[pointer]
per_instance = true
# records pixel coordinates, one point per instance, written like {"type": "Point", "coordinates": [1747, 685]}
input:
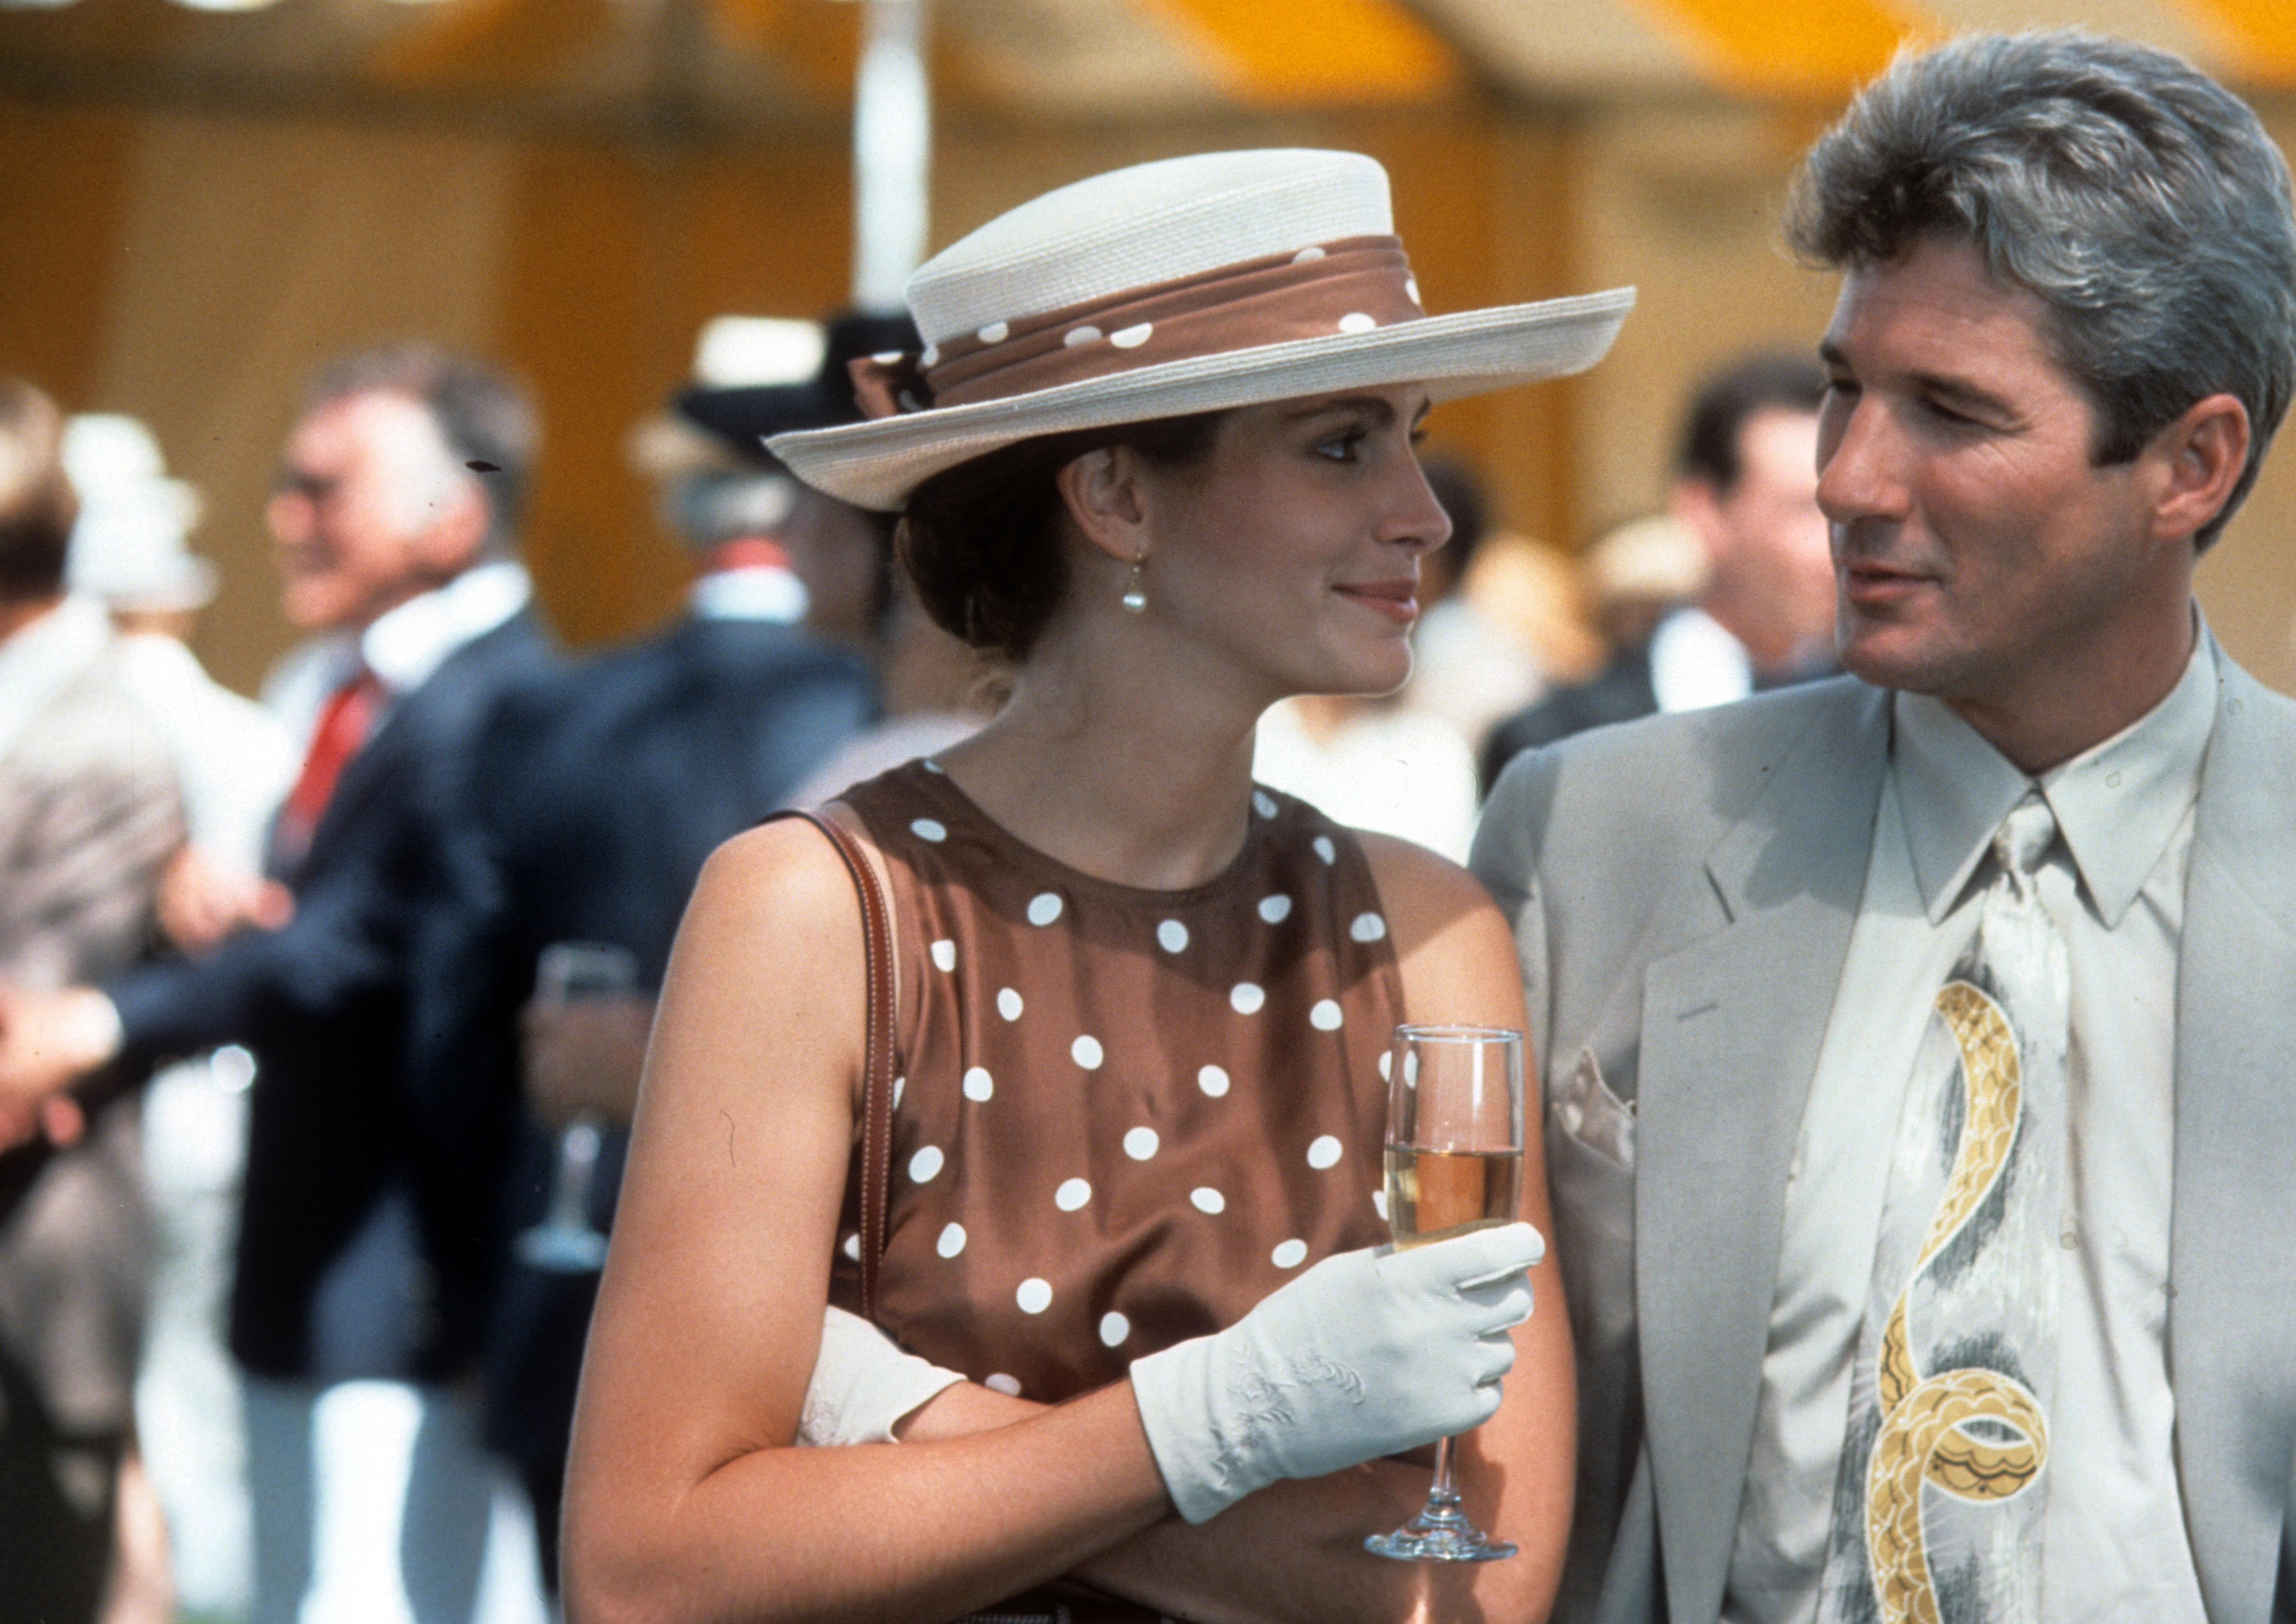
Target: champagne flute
{"type": "Point", "coordinates": [566, 1242]}
{"type": "Point", "coordinates": [1454, 1163]}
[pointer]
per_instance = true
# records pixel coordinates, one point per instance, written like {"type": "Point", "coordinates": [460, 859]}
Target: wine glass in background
{"type": "Point", "coordinates": [566, 1242]}
{"type": "Point", "coordinates": [1454, 1163]}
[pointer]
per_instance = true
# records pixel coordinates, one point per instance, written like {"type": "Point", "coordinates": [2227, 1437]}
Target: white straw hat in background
{"type": "Point", "coordinates": [1192, 284]}
{"type": "Point", "coordinates": [127, 547]}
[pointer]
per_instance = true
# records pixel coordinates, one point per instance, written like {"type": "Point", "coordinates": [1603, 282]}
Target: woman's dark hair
{"type": "Point", "coordinates": [982, 540]}
{"type": "Point", "coordinates": [38, 504]}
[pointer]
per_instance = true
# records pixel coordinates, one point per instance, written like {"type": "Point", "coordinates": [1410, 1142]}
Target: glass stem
{"type": "Point", "coordinates": [578, 1158]}
{"type": "Point", "coordinates": [1443, 1493]}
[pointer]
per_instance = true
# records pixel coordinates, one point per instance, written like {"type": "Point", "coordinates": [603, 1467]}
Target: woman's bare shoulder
{"type": "Point", "coordinates": [784, 874]}
{"type": "Point", "coordinates": [1419, 885]}
{"type": "Point", "coordinates": [773, 934]}
{"type": "Point", "coordinates": [1451, 943]}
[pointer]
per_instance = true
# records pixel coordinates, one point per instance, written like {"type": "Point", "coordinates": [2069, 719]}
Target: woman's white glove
{"type": "Point", "coordinates": [863, 1384]}
{"type": "Point", "coordinates": [1368, 1353]}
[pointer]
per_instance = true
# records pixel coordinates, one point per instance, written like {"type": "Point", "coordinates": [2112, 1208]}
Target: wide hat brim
{"type": "Point", "coordinates": [876, 464]}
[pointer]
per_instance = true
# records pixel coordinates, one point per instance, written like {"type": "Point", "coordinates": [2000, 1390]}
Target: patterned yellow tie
{"type": "Point", "coordinates": [1938, 1510]}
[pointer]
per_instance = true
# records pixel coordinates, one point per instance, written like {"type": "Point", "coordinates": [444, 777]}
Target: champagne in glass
{"type": "Point", "coordinates": [1432, 1195]}
{"type": "Point", "coordinates": [1454, 1163]}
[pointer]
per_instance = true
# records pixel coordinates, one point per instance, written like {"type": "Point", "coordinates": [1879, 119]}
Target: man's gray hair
{"type": "Point", "coordinates": [2139, 199]}
{"type": "Point", "coordinates": [485, 417]}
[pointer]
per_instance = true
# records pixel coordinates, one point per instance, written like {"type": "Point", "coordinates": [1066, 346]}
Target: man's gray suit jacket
{"type": "Point", "coordinates": [1682, 891]}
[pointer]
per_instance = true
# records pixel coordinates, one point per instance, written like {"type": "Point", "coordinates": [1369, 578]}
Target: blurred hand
{"type": "Point", "coordinates": [202, 901]}
{"type": "Point", "coordinates": [585, 1055]}
{"type": "Point", "coordinates": [48, 1041]}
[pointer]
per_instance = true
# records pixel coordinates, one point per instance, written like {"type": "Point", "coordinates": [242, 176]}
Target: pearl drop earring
{"type": "Point", "coordinates": [1136, 595]}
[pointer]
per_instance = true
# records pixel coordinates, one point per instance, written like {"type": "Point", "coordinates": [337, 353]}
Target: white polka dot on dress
{"type": "Point", "coordinates": [1212, 1080]}
{"type": "Point", "coordinates": [1114, 1329]}
{"type": "Point", "coordinates": [1367, 927]}
{"type": "Point", "coordinates": [925, 1164]}
{"type": "Point", "coordinates": [1411, 287]}
{"type": "Point", "coordinates": [1140, 1144]}
{"type": "Point", "coordinates": [1326, 1017]}
{"type": "Point", "coordinates": [978, 1084]}
{"type": "Point", "coordinates": [929, 829]}
{"type": "Point", "coordinates": [1263, 803]}
{"type": "Point", "coordinates": [1356, 321]}
{"type": "Point", "coordinates": [1245, 998]}
{"type": "Point", "coordinates": [1288, 1254]}
{"type": "Point", "coordinates": [900, 1086]}
{"type": "Point", "coordinates": [1325, 849]}
{"type": "Point", "coordinates": [1308, 256]}
{"type": "Point", "coordinates": [1276, 909]}
{"type": "Point", "coordinates": [1034, 1295]}
{"type": "Point", "coordinates": [1134, 336]}
{"type": "Point", "coordinates": [1205, 1199]}
{"type": "Point", "coordinates": [1009, 1386]}
{"type": "Point", "coordinates": [1043, 907]}
{"type": "Point", "coordinates": [1379, 1204]}
{"type": "Point", "coordinates": [1085, 1051]}
{"type": "Point", "coordinates": [1172, 935]}
{"type": "Point", "coordinates": [930, 357]}
{"type": "Point", "coordinates": [1386, 1064]}
{"type": "Point", "coordinates": [944, 955]}
{"type": "Point", "coordinates": [1008, 1003]}
{"type": "Point", "coordinates": [1076, 338]}
{"type": "Point", "coordinates": [1072, 1193]}
{"type": "Point", "coordinates": [852, 1247]}
{"type": "Point", "coordinates": [995, 332]}
{"type": "Point", "coordinates": [951, 1242]}
{"type": "Point", "coordinates": [1324, 1153]}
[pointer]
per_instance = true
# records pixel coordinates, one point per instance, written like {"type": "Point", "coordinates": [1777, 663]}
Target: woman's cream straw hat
{"type": "Point", "coordinates": [1192, 284]}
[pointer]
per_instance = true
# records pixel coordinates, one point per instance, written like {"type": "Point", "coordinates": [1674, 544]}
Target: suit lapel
{"type": "Point", "coordinates": [1732, 1025]}
{"type": "Point", "coordinates": [2232, 1269]}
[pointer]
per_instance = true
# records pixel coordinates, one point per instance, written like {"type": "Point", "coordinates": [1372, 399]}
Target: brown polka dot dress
{"type": "Point", "coordinates": [1123, 1117]}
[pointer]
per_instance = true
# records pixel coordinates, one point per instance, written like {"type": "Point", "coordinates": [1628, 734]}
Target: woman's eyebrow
{"type": "Point", "coordinates": [1376, 410]}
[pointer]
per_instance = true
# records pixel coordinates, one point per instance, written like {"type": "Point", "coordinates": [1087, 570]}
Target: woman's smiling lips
{"type": "Point", "coordinates": [1398, 600]}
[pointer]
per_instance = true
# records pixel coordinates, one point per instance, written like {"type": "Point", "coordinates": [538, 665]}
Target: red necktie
{"type": "Point", "coordinates": [342, 728]}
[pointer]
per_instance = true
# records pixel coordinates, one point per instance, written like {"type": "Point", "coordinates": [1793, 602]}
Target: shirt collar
{"type": "Point", "coordinates": [757, 591]}
{"type": "Point", "coordinates": [405, 645]}
{"type": "Point", "coordinates": [2117, 803]}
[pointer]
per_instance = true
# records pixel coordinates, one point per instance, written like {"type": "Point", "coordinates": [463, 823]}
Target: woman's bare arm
{"type": "Point", "coordinates": [684, 1501]}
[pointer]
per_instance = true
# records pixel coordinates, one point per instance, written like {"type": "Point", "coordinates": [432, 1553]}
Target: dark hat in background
{"type": "Point", "coordinates": [740, 415]}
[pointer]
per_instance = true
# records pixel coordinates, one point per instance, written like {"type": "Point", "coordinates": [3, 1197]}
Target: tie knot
{"type": "Point", "coordinates": [2025, 834]}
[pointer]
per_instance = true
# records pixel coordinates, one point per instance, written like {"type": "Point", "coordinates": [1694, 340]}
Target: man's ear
{"type": "Point", "coordinates": [2201, 456]}
{"type": "Point", "coordinates": [1103, 493]}
{"type": "Point", "coordinates": [457, 531]}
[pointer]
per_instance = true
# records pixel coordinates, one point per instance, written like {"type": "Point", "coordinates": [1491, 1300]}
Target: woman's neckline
{"type": "Point", "coordinates": [938, 783]}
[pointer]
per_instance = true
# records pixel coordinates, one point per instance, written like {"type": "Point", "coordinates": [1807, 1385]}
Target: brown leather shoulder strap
{"type": "Point", "coordinates": [863, 860]}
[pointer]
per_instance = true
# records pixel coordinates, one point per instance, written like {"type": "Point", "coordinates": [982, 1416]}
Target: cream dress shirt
{"type": "Point", "coordinates": [2115, 1547]}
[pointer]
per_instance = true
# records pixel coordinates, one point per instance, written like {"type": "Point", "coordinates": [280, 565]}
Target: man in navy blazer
{"type": "Point", "coordinates": [2066, 332]}
{"type": "Point", "coordinates": [595, 796]}
{"type": "Point", "coordinates": [396, 513]}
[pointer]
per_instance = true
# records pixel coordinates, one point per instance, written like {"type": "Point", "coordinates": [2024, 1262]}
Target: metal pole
{"type": "Point", "coordinates": [892, 151]}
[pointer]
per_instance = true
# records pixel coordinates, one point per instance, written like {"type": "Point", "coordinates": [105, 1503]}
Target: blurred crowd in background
{"type": "Point", "coordinates": [351, 986]}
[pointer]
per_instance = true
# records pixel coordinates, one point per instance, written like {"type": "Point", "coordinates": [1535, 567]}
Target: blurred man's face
{"type": "Point", "coordinates": [371, 510]}
{"type": "Point", "coordinates": [836, 551]}
{"type": "Point", "coordinates": [1771, 533]}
